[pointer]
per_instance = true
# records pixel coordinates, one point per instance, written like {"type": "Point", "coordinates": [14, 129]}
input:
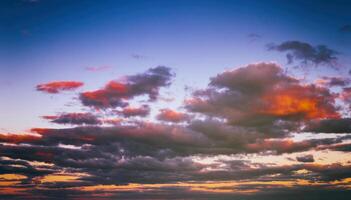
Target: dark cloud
{"type": "Point", "coordinates": [345, 96]}
{"type": "Point", "coordinates": [305, 158]}
{"type": "Point", "coordinates": [123, 156]}
{"type": "Point", "coordinates": [342, 125]}
{"type": "Point", "coordinates": [306, 53]}
{"type": "Point", "coordinates": [346, 147]}
{"type": "Point", "coordinates": [16, 166]}
{"type": "Point", "coordinates": [58, 86]}
{"type": "Point", "coordinates": [74, 119]}
{"type": "Point", "coordinates": [115, 93]}
{"type": "Point", "coordinates": [333, 81]}
{"type": "Point", "coordinates": [159, 140]}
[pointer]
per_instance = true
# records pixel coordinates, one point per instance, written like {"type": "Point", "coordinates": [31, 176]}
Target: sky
{"type": "Point", "coordinates": [225, 99]}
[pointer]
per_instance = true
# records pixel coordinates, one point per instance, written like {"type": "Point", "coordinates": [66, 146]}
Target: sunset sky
{"type": "Point", "coordinates": [182, 99]}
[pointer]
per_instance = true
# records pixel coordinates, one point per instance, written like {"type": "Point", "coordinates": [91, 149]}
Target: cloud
{"type": "Point", "coordinates": [172, 116]}
{"type": "Point", "coordinates": [160, 140]}
{"type": "Point", "coordinates": [306, 53]}
{"type": "Point", "coordinates": [149, 153]}
{"type": "Point", "coordinates": [116, 93]}
{"type": "Point", "coordinates": [280, 146]}
{"type": "Point", "coordinates": [254, 37]}
{"type": "Point", "coordinates": [74, 119]}
{"type": "Point", "coordinates": [342, 125]}
{"type": "Point", "coordinates": [262, 97]}
{"type": "Point", "coordinates": [333, 81]}
{"type": "Point", "coordinates": [345, 147]}
{"type": "Point", "coordinates": [98, 69]}
{"type": "Point", "coordinates": [345, 96]}
{"type": "Point", "coordinates": [58, 86]}
{"type": "Point", "coordinates": [243, 115]}
{"type": "Point", "coordinates": [305, 158]}
{"type": "Point", "coordinates": [22, 167]}
{"type": "Point", "coordinates": [18, 138]}
{"type": "Point", "coordinates": [138, 56]}
{"type": "Point", "coordinates": [141, 111]}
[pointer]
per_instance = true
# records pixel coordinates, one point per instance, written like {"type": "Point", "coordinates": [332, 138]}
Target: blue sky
{"type": "Point", "coordinates": [57, 40]}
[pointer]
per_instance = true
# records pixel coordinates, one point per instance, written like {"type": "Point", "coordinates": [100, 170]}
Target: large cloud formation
{"type": "Point", "coordinates": [261, 96]}
{"type": "Point", "coordinates": [244, 116]}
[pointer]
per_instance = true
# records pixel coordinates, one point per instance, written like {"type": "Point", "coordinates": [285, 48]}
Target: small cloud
{"type": "Point", "coordinates": [254, 37]}
{"type": "Point", "coordinates": [172, 116]}
{"type": "Point", "coordinates": [142, 111]}
{"type": "Point", "coordinates": [329, 81]}
{"type": "Point", "coordinates": [58, 86]}
{"type": "Point", "coordinates": [306, 53]}
{"type": "Point", "coordinates": [98, 69]}
{"type": "Point", "coordinates": [305, 158]}
{"type": "Point", "coordinates": [138, 56]}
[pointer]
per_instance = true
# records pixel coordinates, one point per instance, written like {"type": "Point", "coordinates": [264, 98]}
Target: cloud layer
{"type": "Point", "coordinates": [221, 144]}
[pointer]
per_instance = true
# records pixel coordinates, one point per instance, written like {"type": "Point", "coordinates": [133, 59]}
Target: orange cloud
{"type": "Point", "coordinates": [286, 145]}
{"type": "Point", "coordinates": [103, 97]}
{"type": "Point", "coordinates": [18, 138]}
{"type": "Point", "coordinates": [57, 86]}
{"type": "Point", "coordinates": [40, 131]}
{"type": "Point", "coordinates": [141, 111]}
{"type": "Point", "coordinates": [171, 115]}
{"type": "Point", "coordinates": [300, 101]}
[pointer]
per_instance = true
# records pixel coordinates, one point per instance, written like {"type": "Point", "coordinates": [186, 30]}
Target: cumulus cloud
{"type": "Point", "coordinates": [58, 86]}
{"type": "Point", "coordinates": [306, 53]}
{"type": "Point", "coordinates": [262, 97]}
{"type": "Point", "coordinates": [115, 93]}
